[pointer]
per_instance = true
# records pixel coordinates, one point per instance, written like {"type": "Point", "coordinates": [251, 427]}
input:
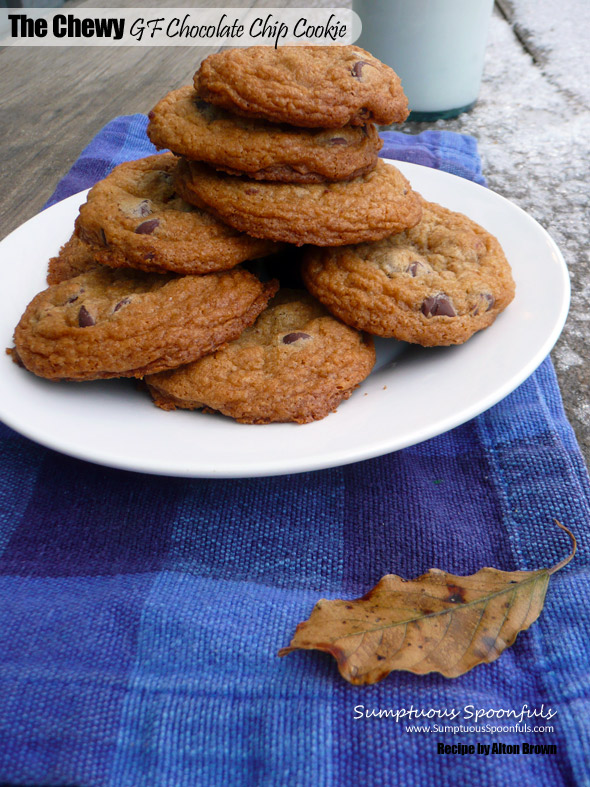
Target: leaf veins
{"type": "Point", "coordinates": [438, 622]}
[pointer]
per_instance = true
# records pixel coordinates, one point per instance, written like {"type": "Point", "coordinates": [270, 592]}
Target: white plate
{"type": "Point", "coordinates": [413, 393]}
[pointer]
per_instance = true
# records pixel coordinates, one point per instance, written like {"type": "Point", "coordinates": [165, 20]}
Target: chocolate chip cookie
{"type": "Point", "coordinates": [329, 214]}
{"type": "Point", "coordinates": [434, 284]}
{"type": "Point", "coordinates": [296, 363]}
{"type": "Point", "coordinates": [74, 258]}
{"type": "Point", "coordinates": [192, 128]}
{"type": "Point", "coordinates": [134, 218]}
{"type": "Point", "coordinates": [118, 323]}
{"type": "Point", "coordinates": [312, 86]}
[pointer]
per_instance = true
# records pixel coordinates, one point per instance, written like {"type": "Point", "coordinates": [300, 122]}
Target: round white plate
{"type": "Point", "coordinates": [413, 393]}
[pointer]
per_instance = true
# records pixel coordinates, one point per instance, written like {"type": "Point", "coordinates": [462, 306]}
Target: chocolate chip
{"type": "Point", "coordinates": [290, 338]}
{"type": "Point", "coordinates": [151, 115]}
{"type": "Point", "coordinates": [338, 141]}
{"type": "Point", "coordinates": [144, 208]}
{"type": "Point", "coordinates": [416, 268]}
{"type": "Point", "coordinates": [251, 191]}
{"type": "Point", "coordinates": [147, 227]}
{"type": "Point", "coordinates": [74, 298]}
{"type": "Point", "coordinates": [121, 303]}
{"type": "Point", "coordinates": [484, 303]}
{"type": "Point", "coordinates": [438, 306]}
{"type": "Point", "coordinates": [357, 69]}
{"type": "Point", "coordinates": [85, 319]}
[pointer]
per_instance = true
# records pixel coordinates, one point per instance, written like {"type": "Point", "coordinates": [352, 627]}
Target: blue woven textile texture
{"type": "Point", "coordinates": [140, 617]}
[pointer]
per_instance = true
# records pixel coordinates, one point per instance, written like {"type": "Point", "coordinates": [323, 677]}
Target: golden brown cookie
{"type": "Point", "coordinates": [296, 363]}
{"type": "Point", "coordinates": [192, 128]}
{"type": "Point", "coordinates": [311, 86]}
{"type": "Point", "coordinates": [133, 218]}
{"type": "Point", "coordinates": [75, 257]}
{"type": "Point", "coordinates": [328, 214]}
{"type": "Point", "coordinates": [434, 284]}
{"type": "Point", "coordinates": [119, 323]}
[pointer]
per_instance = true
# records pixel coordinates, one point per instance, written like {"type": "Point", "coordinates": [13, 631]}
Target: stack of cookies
{"type": "Point", "coordinates": [283, 144]}
{"type": "Point", "coordinates": [268, 151]}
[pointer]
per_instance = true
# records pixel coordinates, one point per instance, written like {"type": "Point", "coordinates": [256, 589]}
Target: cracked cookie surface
{"type": "Point", "coordinates": [435, 284]}
{"type": "Point", "coordinates": [312, 86]}
{"type": "Point", "coordinates": [118, 323]}
{"type": "Point", "coordinates": [262, 150]}
{"type": "Point", "coordinates": [296, 363]}
{"type": "Point", "coordinates": [325, 214]}
{"type": "Point", "coordinates": [73, 258]}
{"type": "Point", "coordinates": [134, 218]}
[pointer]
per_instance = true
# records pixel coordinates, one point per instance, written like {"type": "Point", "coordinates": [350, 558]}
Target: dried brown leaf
{"type": "Point", "coordinates": [438, 622]}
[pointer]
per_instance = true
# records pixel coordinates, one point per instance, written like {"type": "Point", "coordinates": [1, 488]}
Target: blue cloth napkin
{"type": "Point", "coordinates": [140, 617]}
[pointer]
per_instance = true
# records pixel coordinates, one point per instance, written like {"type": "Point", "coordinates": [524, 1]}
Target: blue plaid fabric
{"type": "Point", "coordinates": [140, 616]}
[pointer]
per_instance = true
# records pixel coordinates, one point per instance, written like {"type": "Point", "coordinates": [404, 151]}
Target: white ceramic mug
{"type": "Point", "coordinates": [437, 48]}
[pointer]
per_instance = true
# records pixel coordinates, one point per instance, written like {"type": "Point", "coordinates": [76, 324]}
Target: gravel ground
{"type": "Point", "coordinates": [532, 123]}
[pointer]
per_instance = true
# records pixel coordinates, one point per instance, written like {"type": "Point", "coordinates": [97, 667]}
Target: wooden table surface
{"type": "Point", "coordinates": [54, 100]}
